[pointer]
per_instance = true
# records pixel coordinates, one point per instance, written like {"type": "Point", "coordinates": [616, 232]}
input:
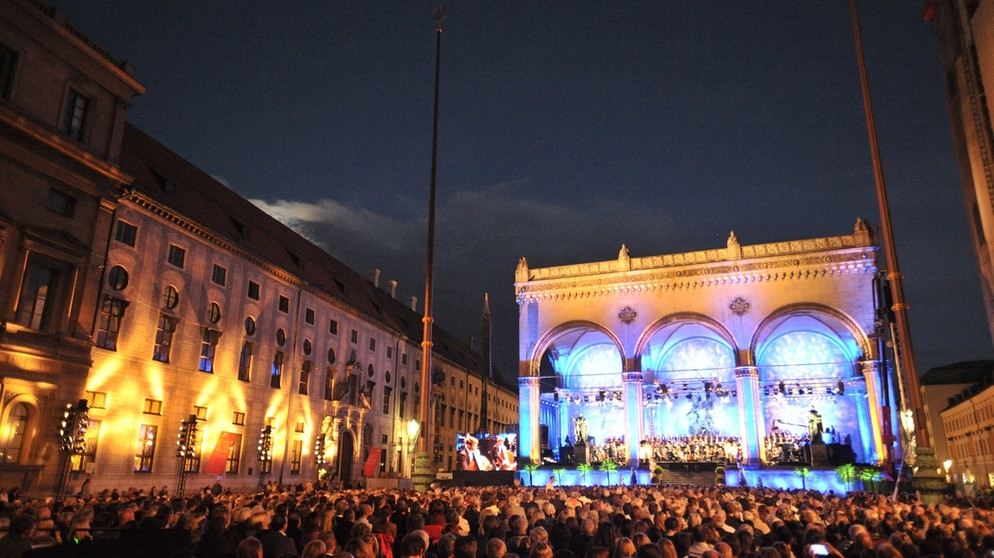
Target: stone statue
{"type": "Point", "coordinates": [815, 427]}
{"type": "Point", "coordinates": [580, 429]}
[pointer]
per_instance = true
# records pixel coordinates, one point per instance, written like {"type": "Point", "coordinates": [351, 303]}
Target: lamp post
{"type": "Point", "coordinates": [319, 457]}
{"type": "Point", "coordinates": [413, 429]}
{"type": "Point", "coordinates": [72, 441]}
{"type": "Point", "coordinates": [424, 408]}
{"type": "Point", "coordinates": [186, 450]}
{"type": "Point", "coordinates": [265, 454]}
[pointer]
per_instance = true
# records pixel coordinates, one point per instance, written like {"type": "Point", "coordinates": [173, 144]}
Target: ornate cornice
{"type": "Point", "coordinates": [777, 262]}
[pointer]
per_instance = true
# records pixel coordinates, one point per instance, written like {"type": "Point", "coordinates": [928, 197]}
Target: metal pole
{"type": "Point", "coordinates": [424, 444]}
{"type": "Point", "coordinates": [904, 351]}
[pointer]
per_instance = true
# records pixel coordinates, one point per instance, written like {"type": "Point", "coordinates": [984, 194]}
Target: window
{"type": "Point", "coordinates": [15, 427]}
{"type": "Point", "coordinates": [280, 337]}
{"type": "Point", "coordinates": [284, 304]}
{"type": "Point", "coordinates": [333, 327]}
{"type": "Point", "coordinates": [250, 326]}
{"type": "Point", "coordinates": [253, 290]}
{"type": "Point", "coordinates": [403, 404]}
{"type": "Point", "coordinates": [309, 316]}
{"type": "Point", "coordinates": [354, 336]}
{"type": "Point", "coordinates": [96, 400]}
{"type": "Point", "coordinates": [372, 344]}
{"type": "Point", "coordinates": [389, 352]}
{"type": "Point", "coordinates": [245, 362]}
{"type": "Point", "coordinates": [403, 359]}
{"type": "Point", "coordinates": [78, 461]}
{"type": "Point", "coordinates": [177, 255]}
{"type": "Point", "coordinates": [170, 297]}
{"type": "Point", "coordinates": [117, 278]}
{"type": "Point", "coordinates": [109, 324]}
{"type": "Point", "coordinates": [331, 356]}
{"type": "Point", "coordinates": [386, 400]}
{"type": "Point", "coordinates": [329, 384]}
{"type": "Point", "coordinates": [214, 313]}
{"type": "Point", "coordinates": [234, 453]}
{"type": "Point", "coordinates": [277, 372]}
{"type": "Point", "coordinates": [296, 452]}
{"type": "Point", "coordinates": [200, 412]}
{"type": "Point", "coordinates": [164, 337]}
{"type": "Point", "coordinates": [40, 293]}
{"type": "Point", "coordinates": [208, 346]}
{"type": "Point", "coordinates": [75, 115]}
{"type": "Point", "coordinates": [8, 63]}
{"type": "Point", "coordinates": [238, 418]}
{"type": "Point", "coordinates": [305, 377]}
{"type": "Point", "coordinates": [152, 407]}
{"type": "Point", "coordinates": [145, 450]}
{"type": "Point", "coordinates": [308, 347]}
{"type": "Point", "coordinates": [60, 203]}
{"type": "Point", "coordinates": [219, 274]}
{"type": "Point", "coordinates": [126, 233]}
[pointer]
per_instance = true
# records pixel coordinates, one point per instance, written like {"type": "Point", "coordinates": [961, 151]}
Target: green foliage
{"type": "Point", "coordinates": [531, 468]}
{"type": "Point", "coordinates": [607, 466]}
{"type": "Point", "coordinates": [804, 473]}
{"type": "Point", "coordinates": [846, 473]}
{"type": "Point", "coordinates": [559, 472]}
{"type": "Point", "coordinates": [658, 470]}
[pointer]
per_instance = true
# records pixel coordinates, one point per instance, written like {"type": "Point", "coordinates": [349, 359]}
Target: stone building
{"type": "Point", "coordinates": [732, 344]}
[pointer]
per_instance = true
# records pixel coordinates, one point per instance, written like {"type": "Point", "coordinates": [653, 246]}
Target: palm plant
{"type": "Point", "coordinates": [868, 475]}
{"type": "Point", "coordinates": [531, 468]}
{"type": "Point", "coordinates": [584, 469]}
{"type": "Point", "coordinates": [846, 473]}
{"type": "Point", "coordinates": [607, 466]}
{"type": "Point", "coordinates": [558, 473]}
{"type": "Point", "coordinates": [804, 473]}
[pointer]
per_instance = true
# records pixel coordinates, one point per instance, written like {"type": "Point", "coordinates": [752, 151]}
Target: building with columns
{"type": "Point", "coordinates": [733, 343]}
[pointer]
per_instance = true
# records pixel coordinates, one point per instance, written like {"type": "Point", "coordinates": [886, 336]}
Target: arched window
{"type": "Point", "coordinates": [17, 423]}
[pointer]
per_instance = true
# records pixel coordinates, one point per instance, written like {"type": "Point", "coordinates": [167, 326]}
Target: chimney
{"type": "Point", "coordinates": [374, 277]}
{"type": "Point", "coordinates": [392, 287]}
{"type": "Point", "coordinates": [413, 303]}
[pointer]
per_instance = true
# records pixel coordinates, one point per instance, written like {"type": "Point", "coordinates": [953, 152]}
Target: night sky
{"type": "Point", "coordinates": [566, 129]}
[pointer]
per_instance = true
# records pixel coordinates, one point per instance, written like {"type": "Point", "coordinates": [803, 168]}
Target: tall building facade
{"type": "Point", "coordinates": [62, 114]}
{"type": "Point", "coordinates": [134, 282]}
{"type": "Point", "coordinates": [966, 39]}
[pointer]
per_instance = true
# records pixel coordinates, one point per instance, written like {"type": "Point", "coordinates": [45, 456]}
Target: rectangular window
{"type": "Point", "coordinates": [96, 399]}
{"type": "Point", "coordinates": [238, 418]}
{"type": "Point", "coordinates": [200, 412]}
{"type": "Point", "coordinates": [8, 63]}
{"type": "Point", "coordinates": [208, 346]}
{"type": "Point", "coordinates": [389, 352]}
{"type": "Point", "coordinates": [234, 455]}
{"type": "Point", "coordinates": [298, 427]}
{"type": "Point", "coordinates": [309, 316]}
{"type": "Point", "coordinates": [372, 344]}
{"type": "Point", "coordinates": [403, 404]}
{"type": "Point", "coordinates": [126, 233]}
{"type": "Point", "coordinates": [333, 327]}
{"type": "Point", "coordinates": [60, 203]}
{"type": "Point", "coordinates": [296, 452]}
{"type": "Point", "coordinates": [164, 337]}
{"type": "Point", "coordinates": [354, 336]}
{"type": "Point", "coordinates": [284, 304]}
{"type": "Point", "coordinates": [329, 384]}
{"type": "Point", "coordinates": [89, 455]}
{"type": "Point", "coordinates": [75, 116]}
{"type": "Point", "coordinates": [109, 322]}
{"type": "Point", "coordinates": [403, 359]}
{"type": "Point", "coordinates": [253, 290]}
{"type": "Point", "coordinates": [386, 400]}
{"type": "Point", "coordinates": [305, 377]}
{"type": "Point", "coordinates": [277, 372]}
{"type": "Point", "coordinates": [245, 362]}
{"type": "Point", "coordinates": [152, 407]}
{"type": "Point", "coordinates": [177, 256]}
{"type": "Point", "coordinates": [37, 301]}
{"type": "Point", "coordinates": [219, 275]}
{"type": "Point", "coordinates": [145, 450]}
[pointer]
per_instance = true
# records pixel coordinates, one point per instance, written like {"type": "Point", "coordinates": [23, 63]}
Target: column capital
{"type": "Point", "coordinates": [746, 371]}
{"type": "Point", "coordinates": [869, 367]}
{"type": "Point", "coordinates": [632, 377]}
{"type": "Point", "coordinates": [529, 381]}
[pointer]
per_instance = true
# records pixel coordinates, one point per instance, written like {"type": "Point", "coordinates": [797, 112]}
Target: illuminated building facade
{"type": "Point", "coordinates": [730, 343]}
{"type": "Point", "coordinates": [62, 113]}
{"type": "Point", "coordinates": [968, 426]}
{"type": "Point", "coordinates": [135, 282]}
{"type": "Point", "coordinates": [967, 47]}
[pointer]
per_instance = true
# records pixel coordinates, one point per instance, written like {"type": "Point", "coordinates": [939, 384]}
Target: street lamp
{"type": "Point", "coordinates": [319, 457]}
{"type": "Point", "coordinates": [186, 450]}
{"type": "Point", "coordinates": [265, 453]}
{"type": "Point", "coordinates": [413, 429]}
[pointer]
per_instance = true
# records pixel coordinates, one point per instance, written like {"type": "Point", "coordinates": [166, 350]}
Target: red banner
{"type": "Point", "coordinates": [372, 466]}
{"type": "Point", "coordinates": [219, 457]}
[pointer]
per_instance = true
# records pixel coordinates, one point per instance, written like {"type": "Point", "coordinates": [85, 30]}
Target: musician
{"type": "Point", "coordinates": [470, 458]}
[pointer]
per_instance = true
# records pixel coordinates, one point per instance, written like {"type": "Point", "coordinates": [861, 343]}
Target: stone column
{"type": "Point", "coordinates": [869, 407]}
{"type": "Point", "coordinates": [752, 425]}
{"type": "Point", "coordinates": [529, 448]}
{"type": "Point", "coordinates": [631, 385]}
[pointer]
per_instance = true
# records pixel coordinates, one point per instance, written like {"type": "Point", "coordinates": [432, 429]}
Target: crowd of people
{"type": "Point", "coordinates": [658, 521]}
